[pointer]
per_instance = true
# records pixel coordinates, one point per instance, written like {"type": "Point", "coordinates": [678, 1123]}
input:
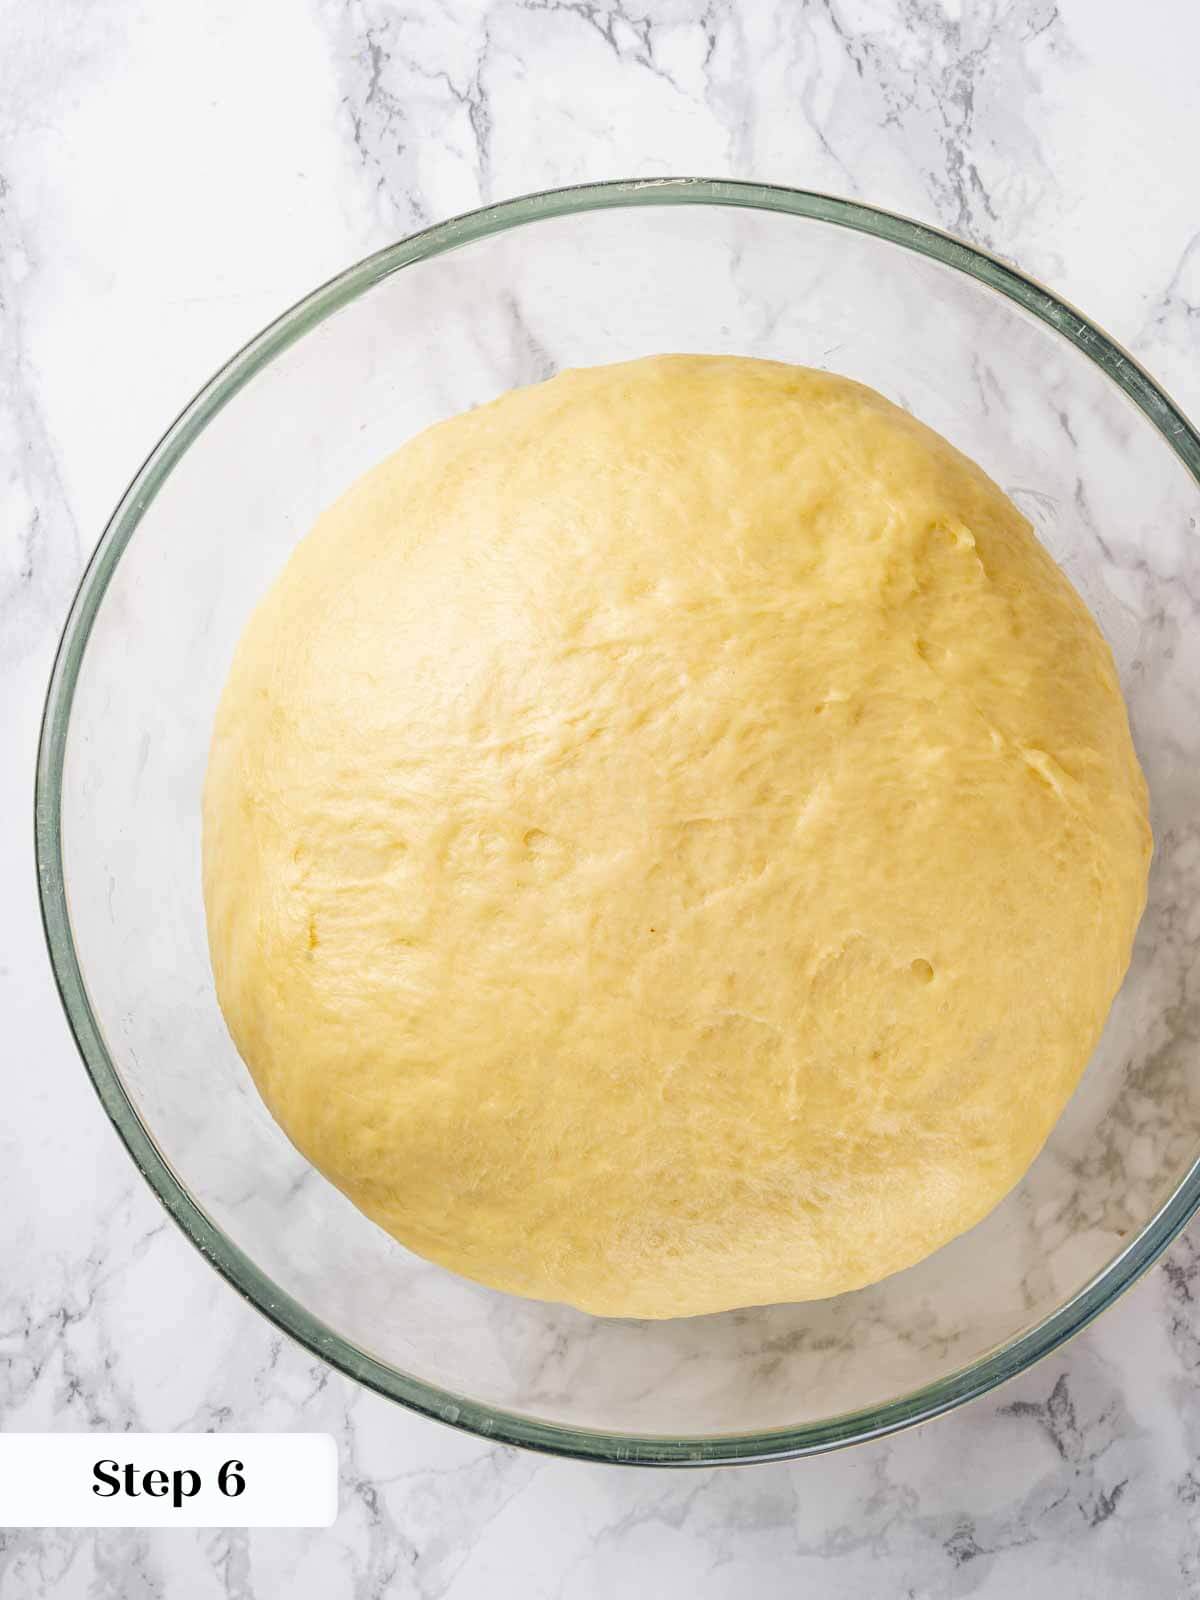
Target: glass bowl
{"type": "Point", "coordinates": [1089, 447]}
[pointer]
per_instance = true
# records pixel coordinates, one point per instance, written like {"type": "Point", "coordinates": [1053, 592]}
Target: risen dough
{"type": "Point", "coordinates": [672, 838]}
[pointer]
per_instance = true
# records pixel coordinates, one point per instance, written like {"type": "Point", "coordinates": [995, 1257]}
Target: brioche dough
{"type": "Point", "coordinates": [671, 840]}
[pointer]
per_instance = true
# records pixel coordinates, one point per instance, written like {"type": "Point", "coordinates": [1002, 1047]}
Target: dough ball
{"type": "Point", "coordinates": [671, 840]}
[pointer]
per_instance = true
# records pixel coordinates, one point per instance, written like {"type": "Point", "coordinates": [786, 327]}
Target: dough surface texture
{"type": "Point", "coordinates": [672, 838]}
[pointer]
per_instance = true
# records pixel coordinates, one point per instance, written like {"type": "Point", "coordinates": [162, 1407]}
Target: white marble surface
{"type": "Point", "coordinates": [170, 177]}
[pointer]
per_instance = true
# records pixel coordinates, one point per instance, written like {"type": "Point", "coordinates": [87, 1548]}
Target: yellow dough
{"type": "Point", "coordinates": [671, 840]}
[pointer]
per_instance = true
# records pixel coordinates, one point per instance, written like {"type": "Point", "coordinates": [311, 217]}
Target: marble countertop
{"type": "Point", "coordinates": [172, 176]}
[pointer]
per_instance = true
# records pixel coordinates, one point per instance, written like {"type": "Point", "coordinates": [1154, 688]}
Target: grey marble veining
{"type": "Point", "coordinates": [170, 177]}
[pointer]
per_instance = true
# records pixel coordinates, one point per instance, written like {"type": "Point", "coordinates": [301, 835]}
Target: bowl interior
{"type": "Point", "coordinates": [1109, 497]}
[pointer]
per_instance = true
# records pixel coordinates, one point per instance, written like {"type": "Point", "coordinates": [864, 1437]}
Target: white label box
{"type": "Point", "coordinates": [168, 1480]}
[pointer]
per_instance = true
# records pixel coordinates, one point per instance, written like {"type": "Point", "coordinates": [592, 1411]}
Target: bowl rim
{"type": "Point", "coordinates": [287, 1314]}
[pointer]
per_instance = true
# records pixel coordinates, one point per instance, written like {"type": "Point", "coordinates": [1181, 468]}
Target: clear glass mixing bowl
{"type": "Point", "coordinates": [1078, 435]}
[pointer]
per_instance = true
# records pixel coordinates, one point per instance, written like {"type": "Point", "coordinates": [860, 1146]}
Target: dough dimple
{"type": "Point", "coordinates": [671, 840]}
